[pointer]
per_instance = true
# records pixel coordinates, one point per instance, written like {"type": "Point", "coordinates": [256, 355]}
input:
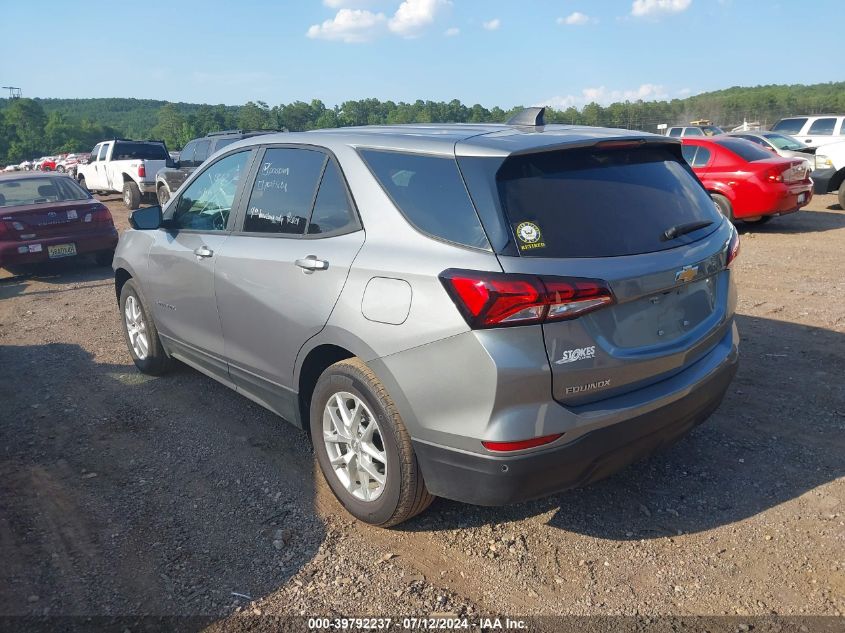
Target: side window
{"type": "Point", "coordinates": [332, 210]}
{"type": "Point", "coordinates": [104, 149]}
{"type": "Point", "coordinates": [842, 126]}
{"type": "Point", "coordinates": [201, 153]}
{"type": "Point", "coordinates": [206, 203]}
{"type": "Point", "coordinates": [94, 153]}
{"type": "Point", "coordinates": [689, 153]}
{"type": "Point", "coordinates": [283, 192]}
{"type": "Point", "coordinates": [675, 131]}
{"type": "Point", "coordinates": [823, 126]}
{"type": "Point", "coordinates": [789, 126]}
{"type": "Point", "coordinates": [186, 158]}
{"type": "Point", "coordinates": [702, 157]}
{"type": "Point", "coordinates": [430, 193]}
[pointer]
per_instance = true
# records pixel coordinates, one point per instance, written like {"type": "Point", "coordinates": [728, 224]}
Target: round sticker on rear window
{"type": "Point", "coordinates": [529, 235]}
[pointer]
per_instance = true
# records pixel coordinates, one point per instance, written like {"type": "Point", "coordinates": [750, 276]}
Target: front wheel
{"type": "Point", "coordinates": [163, 194]}
{"type": "Point", "coordinates": [141, 333]}
{"type": "Point", "coordinates": [842, 195]}
{"type": "Point", "coordinates": [131, 195]}
{"type": "Point", "coordinates": [363, 447]}
{"type": "Point", "coordinates": [724, 205]}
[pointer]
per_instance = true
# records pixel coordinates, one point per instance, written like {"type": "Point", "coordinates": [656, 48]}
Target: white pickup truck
{"type": "Point", "coordinates": [127, 167]}
{"type": "Point", "coordinates": [829, 175]}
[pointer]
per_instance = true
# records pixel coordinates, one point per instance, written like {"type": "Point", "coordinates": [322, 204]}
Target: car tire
{"type": "Point", "coordinates": [104, 258]}
{"type": "Point", "coordinates": [151, 358]}
{"type": "Point", "coordinates": [163, 195]}
{"type": "Point", "coordinates": [60, 169]}
{"type": "Point", "coordinates": [402, 493]}
{"type": "Point", "coordinates": [131, 195]}
{"type": "Point", "coordinates": [81, 181]}
{"type": "Point", "coordinates": [842, 195]}
{"type": "Point", "coordinates": [724, 205]}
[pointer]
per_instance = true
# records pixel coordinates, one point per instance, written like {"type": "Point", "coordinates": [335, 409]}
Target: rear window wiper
{"type": "Point", "coordinates": [682, 229]}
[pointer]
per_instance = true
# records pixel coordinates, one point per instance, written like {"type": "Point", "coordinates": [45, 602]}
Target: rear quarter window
{"type": "Point", "coordinates": [430, 193]}
{"type": "Point", "coordinates": [601, 203]}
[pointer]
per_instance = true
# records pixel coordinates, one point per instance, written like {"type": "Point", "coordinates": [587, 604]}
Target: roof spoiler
{"type": "Point", "coordinates": [531, 117]}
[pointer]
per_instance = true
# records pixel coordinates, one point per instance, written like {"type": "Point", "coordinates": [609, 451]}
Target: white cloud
{"type": "Point", "coordinates": [603, 96]}
{"type": "Point", "coordinates": [642, 8]}
{"type": "Point", "coordinates": [492, 25]}
{"type": "Point", "coordinates": [576, 19]}
{"type": "Point", "coordinates": [413, 16]}
{"type": "Point", "coordinates": [350, 26]}
{"type": "Point", "coordinates": [452, 31]}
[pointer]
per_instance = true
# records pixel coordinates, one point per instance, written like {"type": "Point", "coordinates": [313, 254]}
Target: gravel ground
{"type": "Point", "coordinates": [125, 494]}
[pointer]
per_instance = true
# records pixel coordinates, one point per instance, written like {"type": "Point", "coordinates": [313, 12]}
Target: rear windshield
{"type": "Point", "coordinates": [597, 202]}
{"type": "Point", "coordinates": [132, 150]}
{"type": "Point", "coordinates": [746, 150]}
{"type": "Point", "coordinates": [789, 126]}
{"type": "Point", "coordinates": [15, 193]}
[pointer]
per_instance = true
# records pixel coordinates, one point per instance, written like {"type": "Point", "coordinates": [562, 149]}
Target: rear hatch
{"type": "Point", "coordinates": [602, 213]}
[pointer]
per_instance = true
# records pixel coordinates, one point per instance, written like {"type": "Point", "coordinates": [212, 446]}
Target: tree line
{"type": "Point", "coordinates": [36, 127]}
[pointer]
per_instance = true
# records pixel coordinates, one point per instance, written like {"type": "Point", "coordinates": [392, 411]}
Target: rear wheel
{"type": "Point", "coordinates": [842, 195]}
{"type": "Point", "coordinates": [363, 447]}
{"type": "Point", "coordinates": [60, 169]}
{"type": "Point", "coordinates": [141, 333]}
{"type": "Point", "coordinates": [724, 205]}
{"type": "Point", "coordinates": [163, 194]}
{"type": "Point", "coordinates": [131, 195]}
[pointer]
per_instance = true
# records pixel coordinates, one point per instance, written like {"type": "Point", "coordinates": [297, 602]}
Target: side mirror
{"type": "Point", "coordinates": [146, 219]}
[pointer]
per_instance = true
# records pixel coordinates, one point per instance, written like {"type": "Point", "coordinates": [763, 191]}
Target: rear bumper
{"type": "Point", "coordinates": [38, 251]}
{"type": "Point", "coordinates": [777, 199]}
{"type": "Point", "coordinates": [821, 180]}
{"type": "Point", "coordinates": [498, 480]}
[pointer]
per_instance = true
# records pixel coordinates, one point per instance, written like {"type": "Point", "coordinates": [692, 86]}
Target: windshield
{"type": "Point", "coordinates": [782, 141]}
{"type": "Point", "coordinates": [593, 202]}
{"type": "Point", "coordinates": [135, 150]}
{"type": "Point", "coordinates": [15, 193]}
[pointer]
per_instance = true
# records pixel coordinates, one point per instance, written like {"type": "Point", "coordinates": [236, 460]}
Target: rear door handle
{"type": "Point", "coordinates": [203, 251]}
{"type": "Point", "coordinates": [311, 263]}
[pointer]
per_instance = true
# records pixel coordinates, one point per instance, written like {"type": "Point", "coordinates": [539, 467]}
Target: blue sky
{"type": "Point", "coordinates": [554, 52]}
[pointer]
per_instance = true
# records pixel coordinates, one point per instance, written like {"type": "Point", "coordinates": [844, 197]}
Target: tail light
{"type": "Point", "coordinates": [501, 447]}
{"type": "Point", "coordinates": [99, 215]}
{"type": "Point", "coordinates": [733, 248]}
{"type": "Point", "coordinates": [488, 299]}
{"type": "Point", "coordinates": [775, 172]}
{"type": "Point", "coordinates": [142, 171]}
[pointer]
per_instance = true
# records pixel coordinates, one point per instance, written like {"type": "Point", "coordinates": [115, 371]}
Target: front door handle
{"type": "Point", "coordinates": [311, 263]}
{"type": "Point", "coordinates": [203, 251]}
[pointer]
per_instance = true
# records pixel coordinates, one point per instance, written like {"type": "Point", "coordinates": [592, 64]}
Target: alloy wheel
{"type": "Point", "coordinates": [136, 328]}
{"type": "Point", "coordinates": [354, 446]}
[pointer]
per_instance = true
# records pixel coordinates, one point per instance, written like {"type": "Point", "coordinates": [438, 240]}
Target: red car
{"type": "Point", "coordinates": [49, 216]}
{"type": "Point", "coordinates": [745, 181]}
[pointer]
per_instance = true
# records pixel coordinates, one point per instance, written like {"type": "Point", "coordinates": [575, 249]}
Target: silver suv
{"type": "Point", "coordinates": [488, 313]}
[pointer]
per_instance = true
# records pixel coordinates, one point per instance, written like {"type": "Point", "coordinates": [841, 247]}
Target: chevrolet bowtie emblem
{"type": "Point", "coordinates": [686, 274]}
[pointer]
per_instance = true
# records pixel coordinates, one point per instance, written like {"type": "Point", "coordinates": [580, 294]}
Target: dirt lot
{"type": "Point", "coordinates": [124, 494]}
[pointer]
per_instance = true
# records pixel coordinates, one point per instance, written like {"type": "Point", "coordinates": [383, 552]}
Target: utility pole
{"type": "Point", "coordinates": [14, 92]}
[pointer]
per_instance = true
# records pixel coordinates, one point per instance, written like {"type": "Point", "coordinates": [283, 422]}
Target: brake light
{"type": "Point", "coordinates": [488, 299]}
{"type": "Point", "coordinates": [142, 171]}
{"type": "Point", "coordinates": [775, 172]}
{"type": "Point", "coordinates": [520, 444]}
{"type": "Point", "coordinates": [733, 248]}
{"type": "Point", "coordinates": [99, 215]}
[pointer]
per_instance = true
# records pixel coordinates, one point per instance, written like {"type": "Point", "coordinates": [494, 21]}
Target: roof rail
{"type": "Point", "coordinates": [530, 117]}
{"type": "Point", "coordinates": [223, 132]}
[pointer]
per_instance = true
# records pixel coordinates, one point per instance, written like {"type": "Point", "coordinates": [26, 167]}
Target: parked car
{"type": "Point", "coordinates": [26, 165]}
{"type": "Point", "coordinates": [124, 166]}
{"type": "Point", "coordinates": [813, 130]}
{"type": "Point", "coordinates": [69, 163]}
{"type": "Point", "coordinates": [11, 168]}
{"type": "Point", "coordinates": [49, 216]}
{"type": "Point", "coordinates": [829, 175]}
{"type": "Point", "coordinates": [482, 343]}
{"type": "Point", "coordinates": [747, 182]}
{"type": "Point", "coordinates": [45, 163]}
{"type": "Point", "coordinates": [780, 144]}
{"type": "Point", "coordinates": [169, 179]}
{"type": "Point", "coordinates": [694, 130]}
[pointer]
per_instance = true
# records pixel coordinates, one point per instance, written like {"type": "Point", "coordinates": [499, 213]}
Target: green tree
{"type": "Point", "coordinates": [172, 127]}
{"type": "Point", "coordinates": [255, 116]}
{"type": "Point", "coordinates": [26, 119]}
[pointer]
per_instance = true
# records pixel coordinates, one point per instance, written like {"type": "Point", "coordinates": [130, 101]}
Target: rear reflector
{"type": "Point", "coordinates": [488, 299]}
{"type": "Point", "coordinates": [502, 447]}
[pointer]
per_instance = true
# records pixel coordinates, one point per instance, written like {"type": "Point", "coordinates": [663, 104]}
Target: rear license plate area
{"type": "Point", "coordinates": [61, 250]}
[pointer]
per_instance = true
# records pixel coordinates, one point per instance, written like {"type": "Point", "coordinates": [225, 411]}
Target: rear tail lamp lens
{"type": "Point", "coordinates": [142, 171]}
{"type": "Point", "coordinates": [99, 215]}
{"type": "Point", "coordinates": [488, 299]}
